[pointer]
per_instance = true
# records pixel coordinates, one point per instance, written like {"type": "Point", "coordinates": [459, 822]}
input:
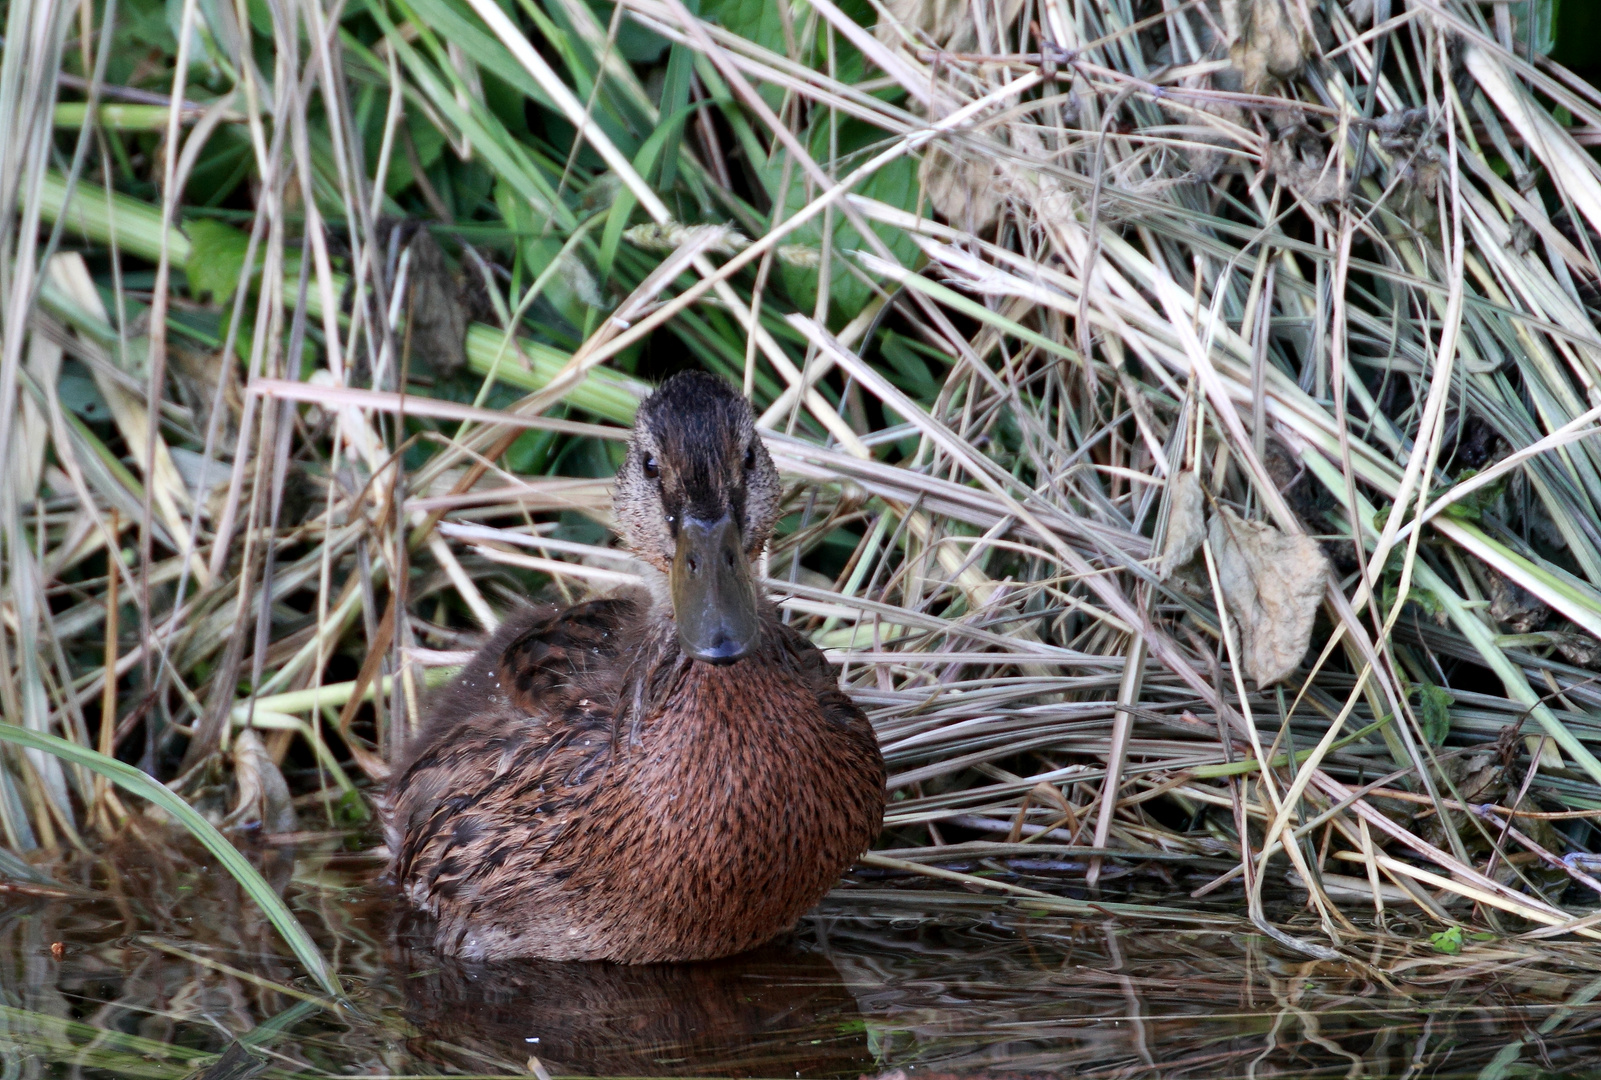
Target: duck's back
{"type": "Point", "coordinates": [583, 793]}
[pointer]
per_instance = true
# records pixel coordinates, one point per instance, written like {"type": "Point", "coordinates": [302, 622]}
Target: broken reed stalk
{"type": "Point", "coordinates": [1165, 392]}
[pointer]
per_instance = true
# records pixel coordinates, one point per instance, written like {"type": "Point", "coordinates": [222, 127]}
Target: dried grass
{"type": "Point", "coordinates": [1195, 264]}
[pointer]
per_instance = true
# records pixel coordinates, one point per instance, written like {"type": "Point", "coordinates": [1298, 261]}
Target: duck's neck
{"type": "Point", "coordinates": [691, 709]}
{"type": "Point", "coordinates": [661, 679]}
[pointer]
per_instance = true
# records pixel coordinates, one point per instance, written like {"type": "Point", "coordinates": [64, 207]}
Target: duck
{"type": "Point", "coordinates": [665, 774]}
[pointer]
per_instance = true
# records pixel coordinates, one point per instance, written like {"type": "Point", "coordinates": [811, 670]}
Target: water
{"type": "Point", "coordinates": [158, 968]}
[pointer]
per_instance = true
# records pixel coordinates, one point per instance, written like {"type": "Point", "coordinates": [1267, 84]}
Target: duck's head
{"type": "Point", "coordinates": [696, 498]}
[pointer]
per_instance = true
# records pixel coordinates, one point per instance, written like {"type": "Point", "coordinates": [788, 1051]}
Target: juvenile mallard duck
{"type": "Point", "coordinates": [666, 774]}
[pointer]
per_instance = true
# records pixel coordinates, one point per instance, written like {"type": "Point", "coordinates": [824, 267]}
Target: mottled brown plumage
{"type": "Point", "coordinates": [639, 778]}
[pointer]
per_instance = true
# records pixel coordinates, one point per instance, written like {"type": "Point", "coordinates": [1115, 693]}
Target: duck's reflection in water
{"type": "Point", "coordinates": [779, 1011]}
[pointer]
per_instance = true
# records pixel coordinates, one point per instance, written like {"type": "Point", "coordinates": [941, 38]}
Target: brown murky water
{"type": "Point", "coordinates": [157, 969]}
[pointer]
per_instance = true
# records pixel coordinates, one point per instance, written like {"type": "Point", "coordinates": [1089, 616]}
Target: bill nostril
{"type": "Point", "coordinates": [728, 559]}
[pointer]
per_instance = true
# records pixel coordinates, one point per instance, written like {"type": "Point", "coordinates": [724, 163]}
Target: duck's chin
{"type": "Point", "coordinates": [723, 657]}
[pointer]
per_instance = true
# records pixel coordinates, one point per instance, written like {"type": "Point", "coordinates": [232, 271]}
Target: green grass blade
{"type": "Point", "coordinates": [132, 780]}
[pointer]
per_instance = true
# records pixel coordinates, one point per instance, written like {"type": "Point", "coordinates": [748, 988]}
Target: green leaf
{"type": "Point", "coordinates": [1535, 22]}
{"type": "Point", "coordinates": [1426, 600]}
{"type": "Point", "coordinates": [675, 97]}
{"type": "Point", "coordinates": [529, 454]}
{"type": "Point", "coordinates": [1473, 505]}
{"type": "Point", "coordinates": [199, 55]}
{"type": "Point", "coordinates": [426, 139]}
{"type": "Point", "coordinates": [144, 23]}
{"type": "Point", "coordinates": [1434, 711]}
{"type": "Point", "coordinates": [623, 207]}
{"type": "Point", "coordinates": [754, 20]}
{"type": "Point", "coordinates": [911, 370]}
{"type": "Point", "coordinates": [255, 886]}
{"type": "Point", "coordinates": [455, 23]}
{"type": "Point", "coordinates": [895, 184]}
{"type": "Point", "coordinates": [216, 258]}
{"type": "Point", "coordinates": [80, 394]}
{"type": "Point", "coordinates": [1447, 941]}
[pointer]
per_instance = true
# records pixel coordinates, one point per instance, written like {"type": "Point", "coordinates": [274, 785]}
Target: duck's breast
{"type": "Point", "coordinates": [753, 796]}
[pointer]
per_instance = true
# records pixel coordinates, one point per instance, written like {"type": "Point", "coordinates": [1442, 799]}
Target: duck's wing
{"type": "Point", "coordinates": [533, 663]}
{"type": "Point", "coordinates": [807, 660]}
{"type": "Point", "coordinates": [508, 747]}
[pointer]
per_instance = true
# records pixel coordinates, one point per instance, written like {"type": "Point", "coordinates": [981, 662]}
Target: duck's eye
{"type": "Point", "coordinates": [652, 470]}
{"type": "Point", "coordinates": [750, 457]}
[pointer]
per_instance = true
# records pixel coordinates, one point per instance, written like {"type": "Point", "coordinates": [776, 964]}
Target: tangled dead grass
{"type": "Point", "coordinates": [1193, 460]}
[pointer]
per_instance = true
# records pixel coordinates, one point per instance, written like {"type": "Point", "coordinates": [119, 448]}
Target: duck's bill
{"type": "Point", "coordinates": [714, 594]}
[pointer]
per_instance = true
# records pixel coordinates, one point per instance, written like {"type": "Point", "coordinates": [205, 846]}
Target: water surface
{"type": "Point", "coordinates": [145, 963]}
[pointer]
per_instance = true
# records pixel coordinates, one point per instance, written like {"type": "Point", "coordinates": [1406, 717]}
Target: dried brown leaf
{"type": "Point", "coordinates": [1186, 521]}
{"type": "Point", "coordinates": [434, 304]}
{"type": "Point", "coordinates": [1579, 648]}
{"type": "Point", "coordinates": [1300, 163]}
{"type": "Point", "coordinates": [964, 189]}
{"type": "Point", "coordinates": [1515, 607]}
{"type": "Point", "coordinates": [949, 24]}
{"type": "Point", "coordinates": [262, 796]}
{"type": "Point", "coordinates": [1273, 583]}
{"type": "Point", "coordinates": [1271, 42]}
